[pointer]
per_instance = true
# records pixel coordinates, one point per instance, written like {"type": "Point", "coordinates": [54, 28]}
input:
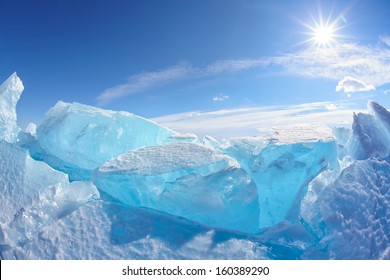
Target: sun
{"type": "Point", "coordinates": [324, 35]}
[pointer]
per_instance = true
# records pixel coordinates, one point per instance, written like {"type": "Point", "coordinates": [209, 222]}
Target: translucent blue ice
{"type": "Point", "coordinates": [77, 138]}
{"type": "Point", "coordinates": [184, 179]}
{"type": "Point", "coordinates": [342, 134]}
{"type": "Point", "coordinates": [283, 164]}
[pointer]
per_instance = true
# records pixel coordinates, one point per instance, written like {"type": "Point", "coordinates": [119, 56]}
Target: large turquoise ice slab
{"type": "Point", "coordinates": [184, 179]}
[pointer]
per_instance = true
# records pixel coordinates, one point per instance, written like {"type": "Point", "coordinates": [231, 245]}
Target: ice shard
{"type": "Point", "coordinates": [371, 133]}
{"type": "Point", "coordinates": [10, 92]}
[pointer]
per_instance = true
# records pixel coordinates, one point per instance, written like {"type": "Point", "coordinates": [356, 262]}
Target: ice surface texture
{"type": "Point", "coordinates": [10, 92]}
{"type": "Point", "coordinates": [78, 138]}
{"type": "Point", "coordinates": [184, 179]}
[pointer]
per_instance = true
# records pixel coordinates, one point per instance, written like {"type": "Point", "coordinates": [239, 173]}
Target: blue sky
{"type": "Point", "coordinates": [176, 57]}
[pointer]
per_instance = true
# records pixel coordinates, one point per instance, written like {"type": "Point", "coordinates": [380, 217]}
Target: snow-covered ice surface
{"type": "Point", "coordinates": [101, 230]}
{"type": "Point", "coordinates": [300, 192]}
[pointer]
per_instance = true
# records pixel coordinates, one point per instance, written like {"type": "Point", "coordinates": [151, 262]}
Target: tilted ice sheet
{"type": "Point", "coordinates": [10, 92]}
{"type": "Point", "coordinates": [74, 137]}
{"type": "Point", "coordinates": [184, 179]}
{"type": "Point", "coordinates": [381, 114]}
{"type": "Point", "coordinates": [349, 213]}
{"type": "Point", "coordinates": [371, 133]}
{"type": "Point", "coordinates": [282, 166]}
{"type": "Point", "coordinates": [211, 142]}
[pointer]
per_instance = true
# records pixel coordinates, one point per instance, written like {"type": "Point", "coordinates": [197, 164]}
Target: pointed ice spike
{"type": "Point", "coordinates": [10, 92]}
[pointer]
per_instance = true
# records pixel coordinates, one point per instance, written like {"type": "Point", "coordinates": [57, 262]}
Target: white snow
{"type": "Point", "coordinates": [301, 133]}
{"type": "Point", "coordinates": [169, 158]}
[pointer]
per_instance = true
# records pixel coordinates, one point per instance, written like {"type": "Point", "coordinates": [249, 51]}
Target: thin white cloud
{"type": "Point", "coordinates": [331, 107]}
{"type": "Point", "coordinates": [257, 120]}
{"type": "Point", "coordinates": [386, 91]}
{"type": "Point", "coordinates": [145, 81]}
{"type": "Point", "coordinates": [233, 66]}
{"type": "Point", "coordinates": [149, 80]}
{"type": "Point", "coordinates": [365, 62]}
{"type": "Point", "coordinates": [349, 85]}
{"type": "Point", "coordinates": [220, 98]}
{"type": "Point", "coordinates": [369, 63]}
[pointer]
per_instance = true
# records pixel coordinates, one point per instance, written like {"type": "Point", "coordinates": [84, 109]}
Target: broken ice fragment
{"type": "Point", "coordinates": [77, 138]}
{"type": "Point", "coordinates": [371, 133]}
{"type": "Point", "coordinates": [283, 164]}
{"type": "Point", "coordinates": [184, 179]}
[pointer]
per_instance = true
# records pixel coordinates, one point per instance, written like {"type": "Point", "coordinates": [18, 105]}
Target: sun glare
{"type": "Point", "coordinates": [323, 35]}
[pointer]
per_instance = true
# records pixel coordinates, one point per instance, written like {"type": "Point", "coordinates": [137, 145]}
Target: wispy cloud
{"type": "Point", "coordinates": [220, 98]}
{"type": "Point", "coordinates": [349, 84]}
{"type": "Point", "coordinates": [369, 63]}
{"type": "Point", "coordinates": [233, 66]}
{"type": "Point", "coordinates": [257, 120]}
{"type": "Point", "coordinates": [145, 81]}
{"type": "Point", "coordinates": [364, 62]}
{"type": "Point", "coordinates": [182, 71]}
